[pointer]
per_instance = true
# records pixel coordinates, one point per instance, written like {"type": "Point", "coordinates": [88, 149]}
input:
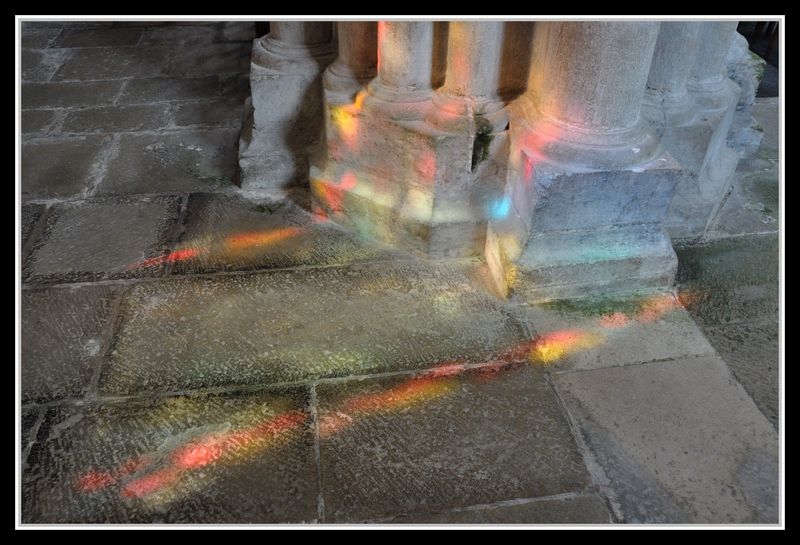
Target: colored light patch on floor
{"type": "Point", "coordinates": [551, 347]}
{"type": "Point", "coordinates": [260, 238]}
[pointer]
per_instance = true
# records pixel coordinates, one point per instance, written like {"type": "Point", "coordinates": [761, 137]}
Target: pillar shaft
{"type": "Point", "coordinates": [708, 82]}
{"type": "Point", "coordinates": [357, 59]}
{"type": "Point", "coordinates": [301, 33]}
{"type": "Point", "coordinates": [667, 101]}
{"type": "Point", "coordinates": [586, 86]}
{"type": "Point", "coordinates": [405, 61]}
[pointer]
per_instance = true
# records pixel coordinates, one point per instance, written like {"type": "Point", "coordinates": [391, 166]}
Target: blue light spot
{"type": "Point", "coordinates": [500, 208]}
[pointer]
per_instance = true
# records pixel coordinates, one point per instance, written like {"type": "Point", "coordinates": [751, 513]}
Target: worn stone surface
{"type": "Point", "coordinates": [226, 113]}
{"type": "Point", "coordinates": [258, 328]}
{"type": "Point", "coordinates": [591, 334]}
{"type": "Point", "coordinates": [184, 35]}
{"type": "Point", "coordinates": [680, 441]}
{"type": "Point", "coordinates": [69, 94]}
{"type": "Point", "coordinates": [238, 31]}
{"type": "Point", "coordinates": [148, 463]}
{"type": "Point", "coordinates": [29, 416]}
{"type": "Point", "coordinates": [63, 332]}
{"type": "Point", "coordinates": [40, 64]}
{"type": "Point", "coordinates": [752, 352]}
{"type": "Point", "coordinates": [732, 280]}
{"type": "Point", "coordinates": [99, 63]}
{"type": "Point", "coordinates": [38, 38]}
{"type": "Point", "coordinates": [146, 90]}
{"type": "Point", "coordinates": [101, 37]}
{"type": "Point", "coordinates": [576, 510]}
{"type": "Point", "coordinates": [70, 166]}
{"type": "Point", "coordinates": [174, 162]}
{"type": "Point", "coordinates": [406, 446]}
{"type": "Point", "coordinates": [110, 119]}
{"type": "Point", "coordinates": [104, 238]}
{"type": "Point", "coordinates": [30, 215]}
{"type": "Point", "coordinates": [36, 121]}
{"type": "Point", "coordinates": [226, 232]}
{"type": "Point", "coordinates": [211, 59]}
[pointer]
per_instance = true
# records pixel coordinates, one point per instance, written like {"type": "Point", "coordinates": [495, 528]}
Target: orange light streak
{"type": "Point", "coordinates": [261, 238]}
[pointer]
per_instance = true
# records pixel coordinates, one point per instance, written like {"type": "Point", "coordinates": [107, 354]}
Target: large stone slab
{"type": "Point", "coordinates": [63, 333]}
{"type": "Point", "coordinates": [574, 510]}
{"type": "Point", "coordinates": [590, 334]}
{"type": "Point", "coordinates": [111, 119]}
{"type": "Point", "coordinates": [146, 90]}
{"type": "Point", "coordinates": [227, 232]}
{"type": "Point", "coordinates": [211, 59]}
{"type": "Point", "coordinates": [100, 37]}
{"type": "Point", "coordinates": [398, 446]}
{"type": "Point", "coordinates": [29, 217]}
{"type": "Point", "coordinates": [61, 167]}
{"type": "Point", "coordinates": [732, 280]}
{"type": "Point", "coordinates": [174, 35]}
{"type": "Point", "coordinates": [100, 63]}
{"type": "Point", "coordinates": [752, 352]}
{"type": "Point", "coordinates": [237, 459]}
{"type": "Point", "coordinates": [104, 238]}
{"type": "Point", "coordinates": [174, 162]}
{"type": "Point", "coordinates": [41, 64]}
{"type": "Point", "coordinates": [301, 324]}
{"type": "Point", "coordinates": [38, 38]}
{"type": "Point", "coordinates": [36, 121]}
{"type": "Point", "coordinates": [69, 94]}
{"type": "Point", "coordinates": [226, 113]}
{"type": "Point", "coordinates": [679, 441]}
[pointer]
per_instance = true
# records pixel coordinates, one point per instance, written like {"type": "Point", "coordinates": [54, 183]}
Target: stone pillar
{"type": "Point", "coordinates": [746, 69]}
{"type": "Point", "coordinates": [699, 141]}
{"type": "Point", "coordinates": [473, 77]}
{"type": "Point", "coordinates": [588, 183]}
{"type": "Point", "coordinates": [405, 63]}
{"type": "Point", "coordinates": [586, 89]}
{"type": "Point", "coordinates": [357, 61]}
{"type": "Point", "coordinates": [284, 117]}
{"type": "Point", "coordinates": [709, 83]}
{"type": "Point", "coordinates": [666, 100]}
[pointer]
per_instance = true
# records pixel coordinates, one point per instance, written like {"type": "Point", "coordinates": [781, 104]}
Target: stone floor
{"type": "Point", "coordinates": [192, 354]}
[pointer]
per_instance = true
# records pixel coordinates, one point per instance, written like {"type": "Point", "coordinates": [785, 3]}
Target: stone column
{"type": "Point", "coordinates": [709, 82]}
{"type": "Point", "coordinates": [285, 117]}
{"type": "Point", "coordinates": [357, 61]}
{"type": "Point", "coordinates": [586, 88]}
{"type": "Point", "coordinates": [666, 100]}
{"type": "Point", "coordinates": [405, 63]}
{"type": "Point", "coordinates": [588, 184]}
{"type": "Point", "coordinates": [472, 80]}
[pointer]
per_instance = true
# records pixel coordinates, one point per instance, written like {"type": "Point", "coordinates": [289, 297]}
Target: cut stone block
{"type": "Point", "coordinates": [732, 280]}
{"type": "Point", "coordinates": [679, 441]}
{"type": "Point", "coordinates": [577, 510]}
{"type": "Point", "coordinates": [173, 162]}
{"type": "Point", "coordinates": [99, 63]}
{"type": "Point", "coordinates": [60, 168]}
{"type": "Point", "coordinates": [240, 31]}
{"type": "Point", "coordinates": [752, 352]}
{"type": "Point", "coordinates": [293, 325]}
{"type": "Point", "coordinates": [40, 64]}
{"type": "Point", "coordinates": [69, 94]}
{"type": "Point", "coordinates": [396, 446]}
{"type": "Point", "coordinates": [187, 36]}
{"type": "Point", "coordinates": [111, 119]}
{"type": "Point", "coordinates": [38, 38]}
{"type": "Point", "coordinates": [101, 37]}
{"type": "Point", "coordinates": [590, 334]}
{"type": "Point", "coordinates": [239, 459]}
{"type": "Point", "coordinates": [225, 232]}
{"type": "Point", "coordinates": [36, 121]}
{"type": "Point", "coordinates": [145, 90]}
{"type": "Point", "coordinates": [226, 113]}
{"type": "Point", "coordinates": [63, 332]}
{"type": "Point", "coordinates": [30, 216]}
{"type": "Point", "coordinates": [104, 238]}
{"type": "Point", "coordinates": [211, 59]}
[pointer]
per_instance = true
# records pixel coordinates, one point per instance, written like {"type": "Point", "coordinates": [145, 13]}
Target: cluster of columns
{"type": "Point", "coordinates": [428, 114]}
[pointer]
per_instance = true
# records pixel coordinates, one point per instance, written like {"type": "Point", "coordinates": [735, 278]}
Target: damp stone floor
{"type": "Point", "coordinates": [195, 354]}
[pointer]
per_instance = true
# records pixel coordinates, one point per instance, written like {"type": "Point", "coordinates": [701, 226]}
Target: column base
{"type": "Point", "coordinates": [709, 164]}
{"type": "Point", "coordinates": [407, 183]}
{"type": "Point", "coordinates": [576, 233]}
{"type": "Point", "coordinates": [286, 110]}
